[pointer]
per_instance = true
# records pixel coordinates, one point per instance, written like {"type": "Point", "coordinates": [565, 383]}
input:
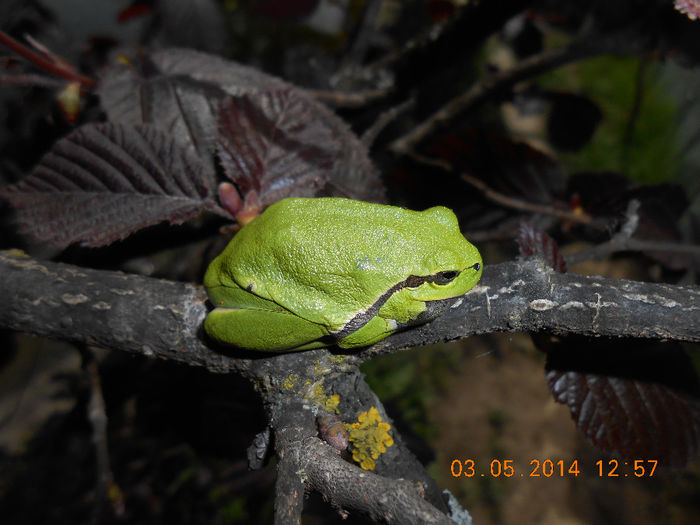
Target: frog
{"type": "Point", "coordinates": [331, 271]}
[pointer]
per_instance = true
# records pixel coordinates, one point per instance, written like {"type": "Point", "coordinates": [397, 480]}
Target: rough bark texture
{"type": "Point", "coordinates": [345, 485]}
{"type": "Point", "coordinates": [530, 297]}
{"type": "Point", "coordinates": [163, 319]}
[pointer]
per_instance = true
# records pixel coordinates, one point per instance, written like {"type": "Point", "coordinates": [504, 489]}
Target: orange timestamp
{"type": "Point", "coordinates": [548, 468]}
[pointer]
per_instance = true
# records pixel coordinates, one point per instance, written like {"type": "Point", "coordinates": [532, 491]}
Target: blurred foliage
{"type": "Point", "coordinates": [644, 144]}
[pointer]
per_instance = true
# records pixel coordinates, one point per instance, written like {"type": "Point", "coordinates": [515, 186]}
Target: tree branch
{"type": "Point", "coordinates": [294, 423]}
{"type": "Point", "coordinates": [159, 318]}
{"type": "Point", "coordinates": [345, 485]}
{"type": "Point", "coordinates": [527, 296]}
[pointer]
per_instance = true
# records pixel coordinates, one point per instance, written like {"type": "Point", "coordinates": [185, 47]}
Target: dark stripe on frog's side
{"type": "Point", "coordinates": [362, 318]}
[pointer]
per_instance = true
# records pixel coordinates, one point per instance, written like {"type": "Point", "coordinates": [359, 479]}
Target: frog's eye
{"type": "Point", "coordinates": [445, 277]}
{"type": "Point", "coordinates": [476, 266]}
{"type": "Point", "coordinates": [414, 281]}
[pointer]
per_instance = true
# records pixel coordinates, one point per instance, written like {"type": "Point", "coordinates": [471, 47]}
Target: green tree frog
{"type": "Point", "coordinates": [316, 272]}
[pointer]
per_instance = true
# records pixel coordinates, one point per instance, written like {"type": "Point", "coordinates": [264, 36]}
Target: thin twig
{"type": "Point", "coordinates": [432, 34]}
{"type": "Point", "coordinates": [98, 419]}
{"type": "Point", "coordinates": [632, 245]}
{"type": "Point", "coordinates": [517, 204]}
{"type": "Point", "coordinates": [340, 99]}
{"type": "Point", "coordinates": [386, 118]}
{"type": "Point", "coordinates": [497, 82]}
{"type": "Point", "coordinates": [32, 80]}
{"type": "Point", "coordinates": [504, 200]}
{"type": "Point", "coordinates": [363, 35]}
{"type": "Point", "coordinates": [44, 63]}
{"type": "Point", "coordinates": [622, 241]}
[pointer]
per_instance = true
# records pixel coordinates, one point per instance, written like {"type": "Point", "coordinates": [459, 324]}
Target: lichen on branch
{"type": "Point", "coordinates": [370, 438]}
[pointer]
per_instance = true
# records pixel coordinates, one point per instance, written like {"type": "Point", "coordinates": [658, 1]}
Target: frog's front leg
{"type": "Point", "coordinates": [397, 312]}
{"type": "Point", "coordinates": [375, 330]}
{"type": "Point", "coordinates": [264, 330]}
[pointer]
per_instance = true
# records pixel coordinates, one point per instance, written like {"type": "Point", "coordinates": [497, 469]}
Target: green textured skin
{"type": "Point", "coordinates": [305, 267]}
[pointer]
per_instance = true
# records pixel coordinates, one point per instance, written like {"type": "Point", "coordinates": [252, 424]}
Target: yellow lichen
{"type": "Point", "coordinates": [290, 382]}
{"type": "Point", "coordinates": [369, 438]}
{"type": "Point", "coordinates": [318, 392]}
{"type": "Point", "coordinates": [332, 403]}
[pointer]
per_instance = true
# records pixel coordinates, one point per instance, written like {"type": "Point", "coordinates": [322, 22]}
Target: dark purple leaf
{"type": "Point", "coordinates": [268, 144]}
{"type": "Point", "coordinates": [179, 91]}
{"type": "Point", "coordinates": [230, 77]}
{"type": "Point", "coordinates": [631, 418]}
{"type": "Point", "coordinates": [572, 121]}
{"type": "Point", "coordinates": [636, 400]}
{"type": "Point", "coordinates": [104, 181]}
{"type": "Point", "coordinates": [533, 241]}
{"type": "Point", "coordinates": [598, 191]}
{"type": "Point", "coordinates": [183, 108]}
{"type": "Point", "coordinates": [127, 93]}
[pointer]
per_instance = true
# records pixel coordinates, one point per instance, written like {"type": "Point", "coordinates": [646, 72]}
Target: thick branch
{"type": "Point", "coordinates": [289, 493]}
{"type": "Point", "coordinates": [527, 296]}
{"type": "Point", "coordinates": [403, 493]}
{"type": "Point", "coordinates": [163, 319]}
{"type": "Point", "coordinates": [348, 486]}
{"type": "Point", "coordinates": [294, 422]}
{"type": "Point", "coordinates": [398, 461]}
{"type": "Point", "coordinates": [151, 317]}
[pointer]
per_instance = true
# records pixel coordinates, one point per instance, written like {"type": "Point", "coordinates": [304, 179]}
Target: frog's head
{"type": "Point", "coordinates": [450, 271]}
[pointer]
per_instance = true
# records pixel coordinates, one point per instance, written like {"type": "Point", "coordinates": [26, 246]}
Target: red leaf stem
{"type": "Point", "coordinates": [43, 62]}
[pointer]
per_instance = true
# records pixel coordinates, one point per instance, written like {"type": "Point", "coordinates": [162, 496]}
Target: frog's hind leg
{"type": "Point", "coordinates": [264, 330]}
